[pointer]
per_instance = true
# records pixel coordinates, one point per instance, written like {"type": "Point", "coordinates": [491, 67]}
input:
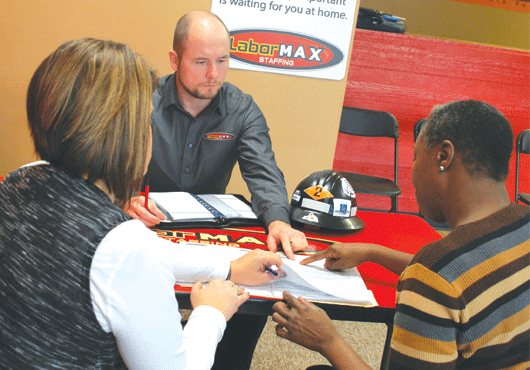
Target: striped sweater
{"type": "Point", "coordinates": [463, 302]}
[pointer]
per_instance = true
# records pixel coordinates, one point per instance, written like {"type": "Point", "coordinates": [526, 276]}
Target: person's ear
{"type": "Point", "coordinates": [173, 60]}
{"type": "Point", "coordinates": [446, 154]}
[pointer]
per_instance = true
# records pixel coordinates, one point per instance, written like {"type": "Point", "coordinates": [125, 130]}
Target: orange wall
{"type": "Point", "coordinates": [303, 113]}
{"type": "Point", "coordinates": [458, 21]}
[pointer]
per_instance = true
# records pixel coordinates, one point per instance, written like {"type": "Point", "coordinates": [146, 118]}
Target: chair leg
{"type": "Point", "coordinates": [393, 208]}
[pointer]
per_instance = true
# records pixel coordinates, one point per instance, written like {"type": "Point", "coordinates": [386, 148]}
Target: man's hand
{"type": "Point", "coordinates": [292, 240]}
{"type": "Point", "coordinates": [150, 216]}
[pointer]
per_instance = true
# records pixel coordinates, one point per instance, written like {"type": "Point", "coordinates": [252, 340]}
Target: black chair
{"type": "Point", "coordinates": [522, 145]}
{"type": "Point", "coordinates": [370, 123]}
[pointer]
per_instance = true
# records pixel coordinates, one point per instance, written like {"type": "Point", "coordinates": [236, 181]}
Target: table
{"type": "Point", "coordinates": [404, 232]}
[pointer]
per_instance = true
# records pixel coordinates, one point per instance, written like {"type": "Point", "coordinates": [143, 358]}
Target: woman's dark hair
{"type": "Point", "coordinates": [478, 131]}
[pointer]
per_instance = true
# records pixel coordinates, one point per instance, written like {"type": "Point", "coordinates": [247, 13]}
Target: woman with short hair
{"type": "Point", "coordinates": [82, 285]}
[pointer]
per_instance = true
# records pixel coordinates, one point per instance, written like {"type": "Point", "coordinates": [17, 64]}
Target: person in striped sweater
{"type": "Point", "coordinates": [463, 301]}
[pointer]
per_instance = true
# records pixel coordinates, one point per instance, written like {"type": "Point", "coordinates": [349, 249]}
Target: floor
{"type": "Point", "coordinates": [273, 352]}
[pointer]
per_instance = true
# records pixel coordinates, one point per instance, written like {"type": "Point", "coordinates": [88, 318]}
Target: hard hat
{"type": "Point", "coordinates": [325, 199]}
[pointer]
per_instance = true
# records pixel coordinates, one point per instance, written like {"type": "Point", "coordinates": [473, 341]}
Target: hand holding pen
{"type": "Point", "coordinates": [254, 268]}
{"type": "Point", "coordinates": [145, 209]}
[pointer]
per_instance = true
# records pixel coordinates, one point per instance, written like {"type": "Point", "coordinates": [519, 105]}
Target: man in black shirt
{"type": "Point", "coordinates": [203, 125]}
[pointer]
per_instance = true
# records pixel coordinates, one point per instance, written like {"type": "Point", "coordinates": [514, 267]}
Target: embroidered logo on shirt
{"type": "Point", "coordinates": [218, 136]}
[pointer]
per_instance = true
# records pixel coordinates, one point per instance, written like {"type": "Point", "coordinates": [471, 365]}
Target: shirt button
{"type": "Point", "coordinates": [187, 170]}
{"type": "Point", "coordinates": [190, 145]}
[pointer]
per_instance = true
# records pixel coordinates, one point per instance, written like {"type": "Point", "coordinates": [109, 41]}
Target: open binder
{"type": "Point", "coordinates": [186, 210]}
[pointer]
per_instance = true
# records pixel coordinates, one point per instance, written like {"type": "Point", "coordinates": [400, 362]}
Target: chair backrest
{"type": "Point", "coordinates": [365, 122]}
{"type": "Point", "coordinates": [371, 123]}
{"type": "Point", "coordinates": [522, 145]}
{"type": "Point", "coordinates": [418, 126]}
{"type": "Point", "coordinates": [523, 142]}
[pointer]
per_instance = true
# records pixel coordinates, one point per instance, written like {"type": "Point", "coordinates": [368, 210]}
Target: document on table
{"type": "Point", "coordinates": [313, 281]}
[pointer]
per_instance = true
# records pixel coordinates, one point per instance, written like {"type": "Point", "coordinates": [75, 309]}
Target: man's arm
{"type": "Point", "coordinates": [265, 182]}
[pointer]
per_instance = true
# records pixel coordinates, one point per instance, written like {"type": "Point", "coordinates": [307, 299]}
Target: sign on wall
{"type": "Point", "coordinates": [515, 5]}
{"type": "Point", "coordinates": [309, 38]}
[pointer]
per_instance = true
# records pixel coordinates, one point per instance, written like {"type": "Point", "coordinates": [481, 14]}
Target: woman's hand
{"type": "Point", "coordinates": [150, 216]}
{"type": "Point", "coordinates": [342, 256]}
{"type": "Point", "coordinates": [220, 294]}
{"type": "Point", "coordinates": [304, 323]}
{"type": "Point", "coordinates": [251, 269]}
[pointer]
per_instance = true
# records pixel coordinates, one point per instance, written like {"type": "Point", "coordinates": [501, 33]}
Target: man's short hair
{"type": "Point", "coordinates": [182, 30]}
{"type": "Point", "coordinates": [478, 131]}
{"type": "Point", "coordinates": [89, 112]}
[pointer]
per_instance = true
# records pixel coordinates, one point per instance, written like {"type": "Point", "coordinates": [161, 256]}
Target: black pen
{"type": "Point", "coordinates": [268, 269]}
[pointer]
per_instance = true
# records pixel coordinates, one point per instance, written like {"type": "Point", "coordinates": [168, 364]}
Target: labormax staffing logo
{"type": "Point", "coordinates": [218, 136]}
{"type": "Point", "coordinates": [282, 50]}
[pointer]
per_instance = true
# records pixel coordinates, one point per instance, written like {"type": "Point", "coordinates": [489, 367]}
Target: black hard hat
{"type": "Point", "coordinates": [325, 199]}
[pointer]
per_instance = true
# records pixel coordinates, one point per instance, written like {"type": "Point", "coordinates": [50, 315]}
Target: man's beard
{"type": "Point", "coordinates": [208, 94]}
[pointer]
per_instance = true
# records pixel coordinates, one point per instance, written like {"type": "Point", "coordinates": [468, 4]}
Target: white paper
{"type": "Point", "coordinates": [313, 282]}
{"type": "Point", "coordinates": [184, 206]}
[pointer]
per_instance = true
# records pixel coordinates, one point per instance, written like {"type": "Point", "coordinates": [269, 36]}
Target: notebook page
{"type": "Point", "coordinates": [181, 205]}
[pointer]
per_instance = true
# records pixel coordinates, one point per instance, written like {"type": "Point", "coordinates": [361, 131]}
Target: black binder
{"type": "Point", "coordinates": [214, 211]}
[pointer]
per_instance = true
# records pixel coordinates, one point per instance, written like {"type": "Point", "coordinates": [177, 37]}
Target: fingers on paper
{"type": "Point", "coordinates": [291, 240]}
{"type": "Point", "coordinates": [286, 246]}
{"type": "Point", "coordinates": [298, 240]}
{"type": "Point", "coordinates": [315, 257]}
{"type": "Point", "coordinates": [272, 243]}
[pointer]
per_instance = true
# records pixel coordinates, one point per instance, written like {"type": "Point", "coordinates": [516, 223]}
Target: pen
{"type": "Point", "coordinates": [268, 269]}
{"type": "Point", "coordinates": [164, 211]}
{"type": "Point", "coordinates": [146, 194]}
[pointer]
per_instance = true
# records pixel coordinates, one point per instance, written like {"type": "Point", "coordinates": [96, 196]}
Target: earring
{"type": "Point", "coordinates": [442, 168]}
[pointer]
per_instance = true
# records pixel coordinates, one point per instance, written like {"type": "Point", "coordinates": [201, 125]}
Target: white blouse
{"type": "Point", "coordinates": [131, 284]}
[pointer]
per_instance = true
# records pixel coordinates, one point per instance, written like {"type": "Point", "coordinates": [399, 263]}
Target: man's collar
{"type": "Point", "coordinates": [169, 93]}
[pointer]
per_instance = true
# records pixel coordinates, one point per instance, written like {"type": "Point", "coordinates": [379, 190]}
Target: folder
{"type": "Point", "coordinates": [187, 210]}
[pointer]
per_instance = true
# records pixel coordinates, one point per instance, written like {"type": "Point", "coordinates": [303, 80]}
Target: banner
{"type": "Point", "coordinates": [309, 38]}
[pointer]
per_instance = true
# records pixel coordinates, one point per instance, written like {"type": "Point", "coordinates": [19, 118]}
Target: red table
{"type": "Point", "coordinates": [404, 232]}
